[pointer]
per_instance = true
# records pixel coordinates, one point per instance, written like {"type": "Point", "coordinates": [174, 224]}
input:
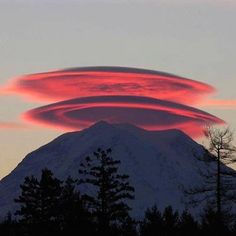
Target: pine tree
{"type": "Point", "coordinates": [157, 223]}
{"type": "Point", "coordinates": [9, 227]}
{"type": "Point", "coordinates": [128, 227]}
{"type": "Point", "coordinates": [211, 225]}
{"type": "Point", "coordinates": [50, 192]}
{"type": "Point", "coordinates": [187, 225]}
{"type": "Point", "coordinates": [39, 203]}
{"type": "Point", "coordinates": [29, 200]}
{"type": "Point", "coordinates": [108, 204]}
{"type": "Point", "coordinates": [170, 221]}
{"type": "Point", "coordinates": [152, 223]}
{"type": "Point", "coordinates": [73, 213]}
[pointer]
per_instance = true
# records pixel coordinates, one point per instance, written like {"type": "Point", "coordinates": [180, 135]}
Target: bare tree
{"type": "Point", "coordinates": [219, 186]}
{"type": "Point", "coordinates": [221, 146]}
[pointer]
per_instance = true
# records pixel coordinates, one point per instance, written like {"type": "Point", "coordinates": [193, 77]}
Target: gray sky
{"type": "Point", "coordinates": [195, 39]}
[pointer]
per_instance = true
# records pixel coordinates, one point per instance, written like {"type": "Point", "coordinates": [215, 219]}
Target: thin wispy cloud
{"type": "Point", "coordinates": [12, 125]}
{"type": "Point", "coordinates": [220, 103]}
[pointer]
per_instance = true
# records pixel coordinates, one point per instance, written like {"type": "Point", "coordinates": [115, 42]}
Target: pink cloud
{"type": "Point", "coordinates": [150, 99]}
{"type": "Point", "coordinates": [94, 81]}
{"type": "Point", "coordinates": [145, 112]}
{"type": "Point", "coordinates": [219, 104]}
{"type": "Point", "coordinates": [11, 125]}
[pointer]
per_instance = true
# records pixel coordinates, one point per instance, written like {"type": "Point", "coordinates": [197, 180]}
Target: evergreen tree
{"type": "Point", "coordinates": [170, 221]}
{"type": "Point", "coordinates": [187, 225]}
{"type": "Point", "coordinates": [157, 223]}
{"type": "Point", "coordinates": [39, 204]}
{"type": "Point", "coordinates": [108, 204]}
{"type": "Point", "coordinates": [211, 224]}
{"type": "Point", "coordinates": [128, 227]}
{"type": "Point", "coordinates": [73, 214]}
{"type": "Point", "coordinates": [152, 223]}
{"type": "Point", "coordinates": [9, 227]}
{"type": "Point", "coordinates": [29, 201]}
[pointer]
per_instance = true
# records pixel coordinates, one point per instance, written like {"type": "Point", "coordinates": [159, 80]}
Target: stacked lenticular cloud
{"type": "Point", "coordinates": [82, 96]}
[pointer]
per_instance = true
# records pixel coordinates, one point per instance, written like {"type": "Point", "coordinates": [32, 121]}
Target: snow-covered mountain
{"type": "Point", "coordinates": [160, 163]}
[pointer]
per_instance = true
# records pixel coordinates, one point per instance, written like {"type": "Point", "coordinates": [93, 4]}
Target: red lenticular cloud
{"type": "Point", "coordinates": [149, 99]}
{"type": "Point", "coordinates": [99, 81]}
{"type": "Point", "coordinates": [145, 112]}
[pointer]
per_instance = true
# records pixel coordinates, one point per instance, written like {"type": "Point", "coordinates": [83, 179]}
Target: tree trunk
{"type": "Point", "coordinates": [218, 189]}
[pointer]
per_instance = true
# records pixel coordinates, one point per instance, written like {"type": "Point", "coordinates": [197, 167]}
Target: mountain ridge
{"type": "Point", "coordinates": [160, 163]}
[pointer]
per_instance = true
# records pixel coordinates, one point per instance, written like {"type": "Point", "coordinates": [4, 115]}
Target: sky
{"type": "Point", "coordinates": [194, 39]}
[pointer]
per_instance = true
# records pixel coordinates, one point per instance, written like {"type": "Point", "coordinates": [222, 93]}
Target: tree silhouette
{"type": "Point", "coordinates": [187, 225]}
{"type": "Point", "coordinates": [39, 203]}
{"type": "Point", "coordinates": [157, 223]}
{"type": "Point", "coordinates": [210, 222]}
{"type": "Point", "coordinates": [9, 227]}
{"type": "Point", "coordinates": [100, 171]}
{"type": "Point", "coordinates": [220, 145]}
{"type": "Point", "coordinates": [170, 221]}
{"type": "Point", "coordinates": [72, 213]}
{"type": "Point", "coordinates": [152, 223]}
{"type": "Point", "coordinates": [219, 186]}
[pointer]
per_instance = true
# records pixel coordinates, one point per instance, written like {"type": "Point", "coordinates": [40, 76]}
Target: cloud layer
{"type": "Point", "coordinates": [149, 99]}
{"type": "Point", "coordinates": [11, 125]}
{"type": "Point", "coordinates": [94, 81]}
{"type": "Point", "coordinates": [148, 113]}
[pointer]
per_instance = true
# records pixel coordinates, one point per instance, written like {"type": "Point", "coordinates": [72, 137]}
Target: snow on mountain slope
{"type": "Point", "coordinates": [160, 163]}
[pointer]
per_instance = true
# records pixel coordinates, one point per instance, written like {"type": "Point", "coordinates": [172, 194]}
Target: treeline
{"type": "Point", "coordinates": [50, 206]}
{"type": "Point", "coordinates": [155, 222]}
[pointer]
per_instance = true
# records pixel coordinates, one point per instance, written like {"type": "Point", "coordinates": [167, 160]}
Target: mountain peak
{"type": "Point", "coordinates": [130, 127]}
{"type": "Point", "coordinates": [101, 124]}
{"type": "Point", "coordinates": [160, 163]}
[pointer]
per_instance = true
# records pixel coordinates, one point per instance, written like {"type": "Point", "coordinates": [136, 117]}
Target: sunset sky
{"type": "Point", "coordinates": [194, 39]}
